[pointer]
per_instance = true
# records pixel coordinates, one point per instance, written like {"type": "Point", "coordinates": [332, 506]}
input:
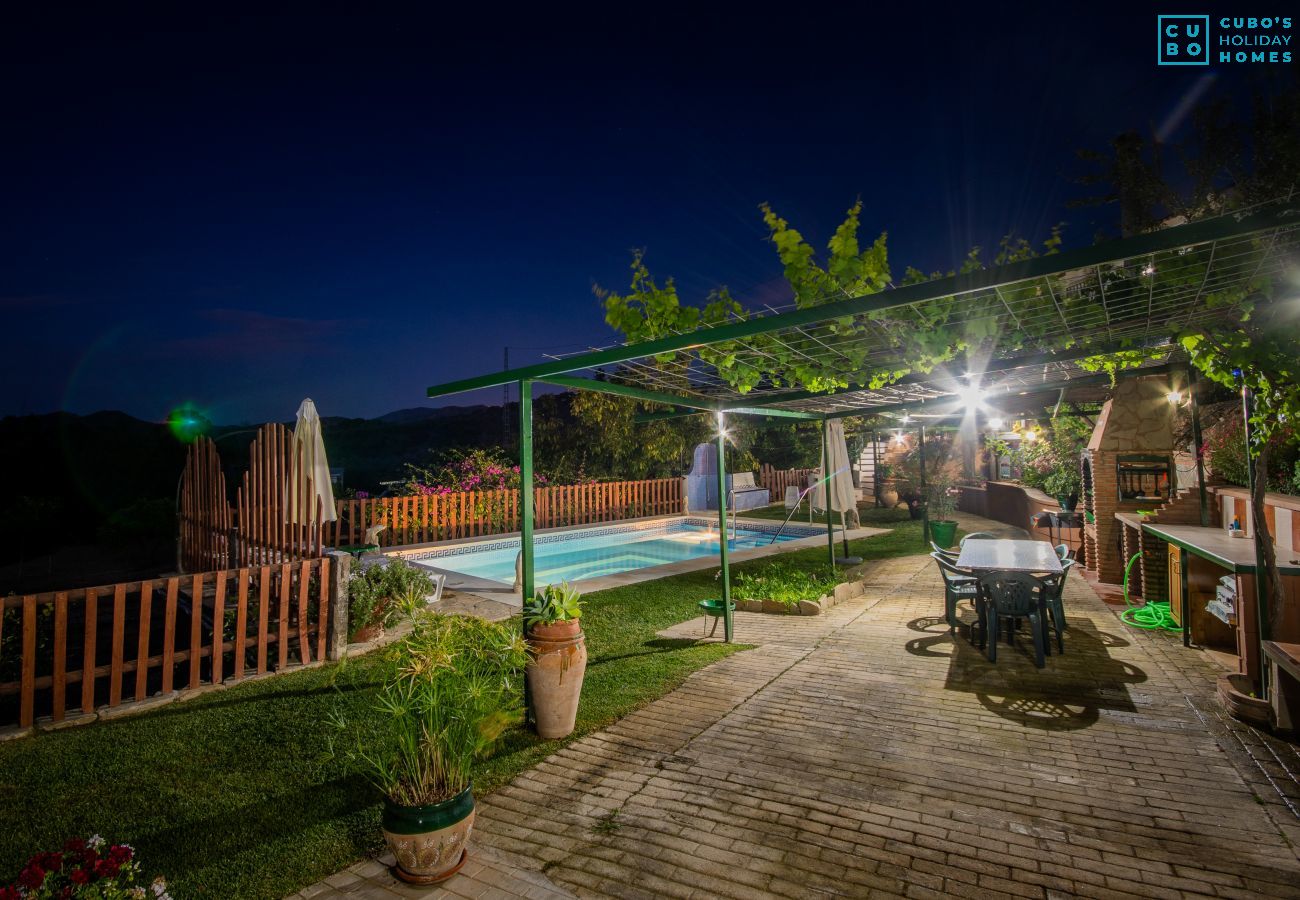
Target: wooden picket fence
{"type": "Point", "coordinates": [276, 516]}
{"type": "Point", "coordinates": [440, 517]}
{"type": "Point", "coordinates": [777, 480]}
{"type": "Point", "coordinates": [137, 639]}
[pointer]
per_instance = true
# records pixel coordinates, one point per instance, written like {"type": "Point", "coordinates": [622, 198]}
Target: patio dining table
{"type": "Point", "coordinates": [1001, 555]}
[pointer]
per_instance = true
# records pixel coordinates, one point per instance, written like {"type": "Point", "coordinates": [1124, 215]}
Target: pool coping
{"type": "Point", "coordinates": [495, 590]}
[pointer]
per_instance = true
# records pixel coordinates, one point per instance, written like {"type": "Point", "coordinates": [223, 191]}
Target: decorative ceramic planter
{"type": "Point", "coordinates": [943, 532]}
{"type": "Point", "coordinates": [889, 499]}
{"type": "Point", "coordinates": [429, 842]}
{"type": "Point", "coordinates": [557, 664]}
{"type": "Point", "coordinates": [1235, 695]}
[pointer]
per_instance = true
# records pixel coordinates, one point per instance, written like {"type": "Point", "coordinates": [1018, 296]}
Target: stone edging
{"type": "Point", "coordinates": [848, 590]}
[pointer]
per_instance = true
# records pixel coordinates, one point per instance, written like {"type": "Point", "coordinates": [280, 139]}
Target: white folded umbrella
{"type": "Point", "coordinates": [307, 435]}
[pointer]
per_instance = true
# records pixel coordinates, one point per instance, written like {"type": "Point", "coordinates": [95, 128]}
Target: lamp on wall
{"type": "Point", "coordinates": [1174, 397]}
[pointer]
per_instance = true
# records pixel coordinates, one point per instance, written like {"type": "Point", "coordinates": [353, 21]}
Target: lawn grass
{"type": "Point", "coordinates": [235, 794]}
{"type": "Point", "coordinates": [871, 516]}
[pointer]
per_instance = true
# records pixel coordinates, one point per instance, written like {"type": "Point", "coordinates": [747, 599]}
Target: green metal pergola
{"type": "Point", "coordinates": [1129, 294]}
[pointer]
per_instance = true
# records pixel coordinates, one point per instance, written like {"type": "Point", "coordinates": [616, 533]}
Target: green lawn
{"type": "Point", "coordinates": [235, 794]}
{"type": "Point", "coordinates": [871, 516]}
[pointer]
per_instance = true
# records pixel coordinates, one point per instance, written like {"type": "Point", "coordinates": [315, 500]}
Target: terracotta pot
{"type": "Point", "coordinates": [558, 661]}
{"type": "Point", "coordinates": [369, 633]}
{"type": "Point", "coordinates": [1234, 694]}
{"type": "Point", "coordinates": [429, 842]}
{"type": "Point", "coordinates": [889, 499]}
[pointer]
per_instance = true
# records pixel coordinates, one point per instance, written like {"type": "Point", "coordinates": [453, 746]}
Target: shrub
{"type": "Point", "coordinates": [380, 593]}
{"type": "Point", "coordinates": [784, 583]}
{"type": "Point", "coordinates": [89, 868]}
{"type": "Point", "coordinates": [456, 685]}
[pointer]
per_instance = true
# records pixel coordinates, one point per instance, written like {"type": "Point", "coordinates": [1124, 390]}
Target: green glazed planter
{"type": "Point", "coordinates": [943, 532]}
{"type": "Point", "coordinates": [429, 842]}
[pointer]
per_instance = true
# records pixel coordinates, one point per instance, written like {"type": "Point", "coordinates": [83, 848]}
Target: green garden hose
{"type": "Point", "coordinates": [1150, 616]}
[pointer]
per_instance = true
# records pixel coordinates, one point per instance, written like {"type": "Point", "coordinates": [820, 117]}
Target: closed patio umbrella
{"type": "Point", "coordinates": [307, 435]}
{"type": "Point", "coordinates": [841, 482]}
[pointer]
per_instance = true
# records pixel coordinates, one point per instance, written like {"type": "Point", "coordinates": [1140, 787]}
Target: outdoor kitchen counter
{"type": "Point", "coordinates": [1235, 554]}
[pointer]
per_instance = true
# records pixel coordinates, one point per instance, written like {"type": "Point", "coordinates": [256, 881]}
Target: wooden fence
{"type": "Point", "coordinates": [440, 517]}
{"type": "Point", "coordinates": [777, 480]}
{"type": "Point", "coordinates": [276, 517]}
{"type": "Point", "coordinates": [92, 647]}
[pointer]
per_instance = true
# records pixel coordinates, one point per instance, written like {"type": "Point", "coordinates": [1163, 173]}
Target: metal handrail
{"type": "Point", "coordinates": [793, 510]}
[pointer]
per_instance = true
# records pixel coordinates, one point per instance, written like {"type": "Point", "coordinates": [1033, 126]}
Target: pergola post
{"type": "Point", "coordinates": [526, 587]}
{"type": "Point", "coordinates": [826, 486]}
{"type": "Point", "coordinates": [925, 495]}
{"type": "Point", "coordinates": [1261, 576]}
{"type": "Point", "coordinates": [722, 527]}
{"type": "Point", "coordinates": [876, 486]}
{"type": "Point", "coordinates": [1196, 438]}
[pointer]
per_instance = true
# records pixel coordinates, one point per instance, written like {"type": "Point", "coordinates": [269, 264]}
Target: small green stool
{"type": "Point", "coordinates": [358, 549]}
{"type": "Point", "coordinates": [714, 608]}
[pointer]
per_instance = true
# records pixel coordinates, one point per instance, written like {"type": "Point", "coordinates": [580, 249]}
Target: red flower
{"type": "Point", "coordinates": [75, 845]}
{"type": "Point", "coordinates": [9, 893]}
{"type": "Point", "coordinates": [32, 876]}
{"type": "Point", "coordinates": [120, 853]}
{"type": "Point", "coordinates": [78, 876]}
{"type": "Point", "coordinates": [106, 868]}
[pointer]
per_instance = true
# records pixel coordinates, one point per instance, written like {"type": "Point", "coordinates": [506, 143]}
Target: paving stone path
{"type": "Point", "coordinates": [868, 752]}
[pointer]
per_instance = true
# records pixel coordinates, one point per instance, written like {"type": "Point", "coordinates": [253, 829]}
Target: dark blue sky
{"type": "Point", "coordinates": [243, 211]}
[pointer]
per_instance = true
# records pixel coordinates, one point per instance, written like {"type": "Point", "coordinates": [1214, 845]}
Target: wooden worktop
{"type": "Point", "coordinates": [1214, 544]}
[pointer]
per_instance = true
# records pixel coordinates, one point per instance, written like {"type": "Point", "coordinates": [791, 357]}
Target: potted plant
{"type": "Point", "coordinates": [943, 503]}
{"type": "Point", "coordinates": [888, 495]}
{"type": "Point", "coordinates": [454, 688]}
{"type": "Point", "coordinates": [1064, 483]}
{"type": "Point", "coordinates": [380, 593]}
{"type": "Point", "coordinates": [557, 658]}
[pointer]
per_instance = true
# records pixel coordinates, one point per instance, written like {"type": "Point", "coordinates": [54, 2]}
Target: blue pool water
{"type": "Point", "coordinates": [593, 552]}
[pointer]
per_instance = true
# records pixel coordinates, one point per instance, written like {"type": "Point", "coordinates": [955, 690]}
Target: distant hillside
{"type": "Point", "coordinates": [425, 413]}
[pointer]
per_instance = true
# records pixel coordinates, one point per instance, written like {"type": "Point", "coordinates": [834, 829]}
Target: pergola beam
{"type": "Point", "coordinates": [626, 390]}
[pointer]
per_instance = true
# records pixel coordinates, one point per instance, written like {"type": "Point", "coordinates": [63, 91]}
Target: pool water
{"type": "Point", "coordinates": [592, 553]}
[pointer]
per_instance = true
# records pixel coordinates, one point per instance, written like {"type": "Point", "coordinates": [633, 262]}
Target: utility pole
{"type": "Point", "coordinates": [505, 399]}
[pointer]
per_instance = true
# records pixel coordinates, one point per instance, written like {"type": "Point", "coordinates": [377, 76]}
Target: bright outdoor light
{"type": "Point", "coordinates": [995, 424]}
{"type": "Point", "coordinates": [898, 436]}
{"type": "Point", "coordinates": [1149, 271]}
{"type": "Point", "coordinates": [906, 418]}
{"type": "Point", "coordinates": [1031, 435]}
{"type": "Point", "coordinates": [972, 396]}
{"type": "Point", "coordinates": [1174, 397]}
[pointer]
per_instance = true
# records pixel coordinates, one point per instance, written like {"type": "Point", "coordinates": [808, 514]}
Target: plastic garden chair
{"type": "Point", "coordinates": [978, 536]}
{"type": "Point", "coordinates": [1056, 604]}
{"type": "Point", "coordinates": [958, 584]}
{"type": "Point", "coordinates": [1014, 595]}
{"type": "Point", "coordinates": [950, 555]}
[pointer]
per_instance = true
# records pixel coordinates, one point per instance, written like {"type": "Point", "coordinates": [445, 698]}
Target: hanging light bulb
{"type": "Point", "coordinates": [898, 437]}
{"type": "Point", "coordinates": [1031, 435]}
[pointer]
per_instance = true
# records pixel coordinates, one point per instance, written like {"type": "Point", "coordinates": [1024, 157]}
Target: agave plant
{"type": "Point", "coordinates": [553, 603]}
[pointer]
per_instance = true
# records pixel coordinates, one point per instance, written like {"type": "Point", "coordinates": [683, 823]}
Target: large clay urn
{"type": "Point", "coordinates": [558, 661]}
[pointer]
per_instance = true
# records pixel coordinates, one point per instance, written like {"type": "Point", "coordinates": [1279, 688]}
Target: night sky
{"type": "Point", "coordinates": [241, 212]}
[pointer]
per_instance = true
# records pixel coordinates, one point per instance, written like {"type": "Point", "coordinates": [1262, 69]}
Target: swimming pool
{"type": "Point", "coordinates": [595, 552]}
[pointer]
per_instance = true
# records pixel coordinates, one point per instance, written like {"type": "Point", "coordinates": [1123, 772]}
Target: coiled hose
{"type": "Point", "coordinates": [1152, 615]}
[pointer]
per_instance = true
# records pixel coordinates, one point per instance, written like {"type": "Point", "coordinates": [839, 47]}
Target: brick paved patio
{"type": "Point", "coordinates": [867, 752]}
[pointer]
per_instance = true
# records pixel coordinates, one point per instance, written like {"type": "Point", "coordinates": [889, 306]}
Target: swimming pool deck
{"type": "Point", "coordinates": [471, 589]}
{"type": "Point", "coordinates": [867, 752]}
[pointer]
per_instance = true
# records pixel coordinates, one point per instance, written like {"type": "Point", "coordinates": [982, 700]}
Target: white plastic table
{"type": "Point", "coordinates": [1009, 556]}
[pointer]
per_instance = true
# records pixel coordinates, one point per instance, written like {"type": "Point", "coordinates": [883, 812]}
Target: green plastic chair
{"type": "Point", "coordinates": [1056, 602]}
{"type": "Point", "coordinates": [958, 584]}
{"type": "Point", "coordinates": [1014, 596]}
